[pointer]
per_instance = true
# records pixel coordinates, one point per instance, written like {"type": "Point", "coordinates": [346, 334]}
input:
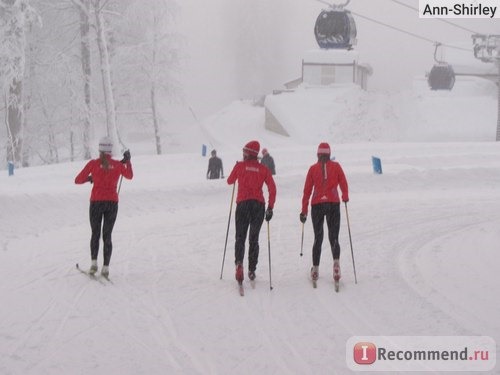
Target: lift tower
{"type": "Point", "coordinates": [487, 49]}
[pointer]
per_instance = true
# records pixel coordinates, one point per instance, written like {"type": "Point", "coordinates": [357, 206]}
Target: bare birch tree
{"type": "Point", "coordinates": [109, 100]}
{"type": "Point", "coordinates": [83, 8]}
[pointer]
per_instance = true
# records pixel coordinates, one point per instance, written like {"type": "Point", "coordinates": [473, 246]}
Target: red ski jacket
{"type": "Point", "coordinates": [325, 190]}
{"type": "Point", "coordinates": [251, 175]}
{"type": "Point", "coordinates": [105, 180]}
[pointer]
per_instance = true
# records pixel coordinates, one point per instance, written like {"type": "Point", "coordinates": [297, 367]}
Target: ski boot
{"type": "Point", "coordinates": [239, 273]}
{"type": "Point", "coordinates": [314, 273]}
{"type": "Point", "coordinates": [105, 271]}
{"type": "Point", "coordinates": [251, 275]}
{"type": "Point", "coordinates": [93, 267]}
{"type": "Point", "coordinates": [336, 274]}
{"type": "Point", "coordinates": [336, 270]}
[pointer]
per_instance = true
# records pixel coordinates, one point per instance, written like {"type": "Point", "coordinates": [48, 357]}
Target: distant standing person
{"type": "Point", "coordinates": [250, 206]}
{"type": "Point", "coordinates": [322, 181]}
{"type": "Point", "coordinates": [268, 161]}
{"type": "Point", "coordinates": [214, 167]}
{"type": "Point", "coordinates": [104, 173]}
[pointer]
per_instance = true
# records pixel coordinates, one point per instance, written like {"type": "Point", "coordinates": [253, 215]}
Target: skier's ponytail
{"type": "Point", "coordinates": [323, 153]}
{"type": "Point", "coordinates": [104, 160]}
{"type": "Point", "coordinates": [105, 147]}
{"type": "Point", "coordinates": [323, 159]}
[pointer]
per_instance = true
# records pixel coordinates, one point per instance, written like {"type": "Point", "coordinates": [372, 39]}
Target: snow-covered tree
{"type": "Point", "coordinates": [83, 8]}
{"type": "Point", "coordinates": [15, 15]}
{"type": "Point", "coordinates": [147, 58]}
{"type": "Point", "coordinates": [107, 83]}
{"type": "Point", "coordinates": [55, 108]}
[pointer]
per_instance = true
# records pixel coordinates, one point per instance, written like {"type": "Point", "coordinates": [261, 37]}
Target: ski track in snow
{"type": "Point", "coordinates": [167, 311]}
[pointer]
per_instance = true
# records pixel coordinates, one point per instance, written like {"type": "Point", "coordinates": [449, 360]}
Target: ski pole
{"type": "Point", "coordinates": [269, 250]}
{"type": "Point", "coordinates": [120, 185]}
{"type": "Point", "coordinates": [350, 240]}
{"type": "Point", "coordinates": [227, 232]}
{"type": "Point", "coordinates": [121, 177]}
{"type": "Point", "coordinates": [302, 241]}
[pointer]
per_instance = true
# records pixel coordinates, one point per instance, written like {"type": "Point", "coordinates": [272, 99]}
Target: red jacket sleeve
{"type": "Point", "coordinates": [234, 174]}
{"type": "Point", "coordinates": [308, 187]}
{"type": "Point", "coordinates": [343, 185]}
{"type": "Point", "coordinates": [271, 187]}
{"type": "Point", "coordinates": [83, 176]}
{"type": "Point", "coordinates": [127, 170]}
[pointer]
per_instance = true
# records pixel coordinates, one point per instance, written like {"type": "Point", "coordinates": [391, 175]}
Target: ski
{"type": "Point", "coordinates": [252, 277]}
{"type": "Point", "coordinates": [337, 285]}
{"type": "Point", "coordinates": [107, 279]}
{"type": "Point", "coordinates": [314, 276]}
{"type": "Point", "coordinates": [89, 275]}
{"type": "Point", "coordinates": [241, 289]}
{"type": "Point", "coordinates": [85, 272]}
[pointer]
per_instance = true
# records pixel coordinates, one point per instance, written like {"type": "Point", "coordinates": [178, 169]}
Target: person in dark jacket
{"type": "Point", "coordinates": [322, 181]}
{"type": "Point", "coordinates": [214, 167]}
{"type": "Point", "coordinates": [104, 173]}
{"type": "Point", "coordinates": [250, 206]}
{"type": "Point", "coordinates": [268, 161]}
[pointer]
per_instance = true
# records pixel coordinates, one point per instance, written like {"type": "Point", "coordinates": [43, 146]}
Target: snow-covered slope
{"type": "Point", "coordinates": [345, 113]}
{"type": "Point", "coordinates": [424, 233]}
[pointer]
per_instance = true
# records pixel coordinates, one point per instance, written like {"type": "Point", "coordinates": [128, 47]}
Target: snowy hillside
{"type": "Point", "coordinates": [425, 241]}
{"type": "Point", "coordinates": [347, 114]}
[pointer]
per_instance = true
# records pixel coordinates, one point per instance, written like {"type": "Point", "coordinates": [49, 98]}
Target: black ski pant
{"type": "Point", "coordinates": [102, 213]}
{"type": "Point", "coordinates": [249, 218]}
{"type": "Point", "coordinates": [330, 211]}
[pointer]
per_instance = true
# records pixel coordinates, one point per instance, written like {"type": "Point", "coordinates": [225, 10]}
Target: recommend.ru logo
{"type": "Point", "coordinates": [421, 353]}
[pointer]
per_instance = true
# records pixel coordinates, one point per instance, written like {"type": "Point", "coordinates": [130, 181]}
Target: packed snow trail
{"type": "Point", "coordinates": [418, 230]}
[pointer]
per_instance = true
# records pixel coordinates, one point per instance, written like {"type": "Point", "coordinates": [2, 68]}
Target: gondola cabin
{"type": "Point", "coordinates": [335, 29]}
{"type": "Point", "coordinates": [441, 77]}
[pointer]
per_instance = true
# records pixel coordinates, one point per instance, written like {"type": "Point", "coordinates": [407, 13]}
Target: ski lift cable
{"type": "Point", "coordinates": [409, 33]}
{"type": "Point", "coordinates": [438, 19]}
{"type": "Point", "coordinates": [334, 6]}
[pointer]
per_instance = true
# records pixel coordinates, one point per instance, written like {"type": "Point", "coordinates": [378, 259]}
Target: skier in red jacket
{"type": "Point", "coordinates": [104, 172]}
{"type": "Point", "coordinates": [322, 181]}
{"type": "Point", "coordinates": [250, 206]}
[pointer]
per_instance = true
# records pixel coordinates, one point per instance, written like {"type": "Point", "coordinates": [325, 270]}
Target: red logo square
{"type": "Point", "coordinates": [365, 353]}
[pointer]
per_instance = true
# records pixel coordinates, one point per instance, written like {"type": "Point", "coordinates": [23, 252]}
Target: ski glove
{"type": "Point", "coordinates": [303, 218]}
{"type": "Point", "coordinates": [269, 214]}
{"type": "Point", "coordinates": [89, 179]}
{"type": "Point", "coordinates": [126, 157]}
